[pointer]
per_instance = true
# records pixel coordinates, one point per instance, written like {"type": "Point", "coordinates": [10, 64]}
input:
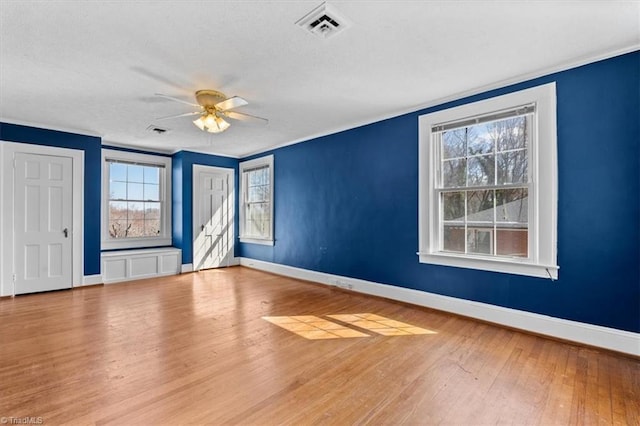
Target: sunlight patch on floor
{"type": "Point", "coordinates": [314, 328]}
{"type": "Point", "coordinates": [381, 325]}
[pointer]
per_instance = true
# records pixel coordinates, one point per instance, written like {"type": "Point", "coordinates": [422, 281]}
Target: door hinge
{"type": "Point", "coordinates": [14, 278]}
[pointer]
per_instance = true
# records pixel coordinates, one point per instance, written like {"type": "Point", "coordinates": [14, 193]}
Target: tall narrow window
{"type": "Point", "coordinates": [256, 213]}
{"type": "Point", "coordinates": [488, 184]}
{"type": "Point", "coordinates": [136, 192]}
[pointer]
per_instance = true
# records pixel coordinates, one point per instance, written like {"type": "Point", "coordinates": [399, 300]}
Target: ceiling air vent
{"type": "Point", "coordinates": [324, 21]}
{"type": "Point", "coordinates": [157, 130]}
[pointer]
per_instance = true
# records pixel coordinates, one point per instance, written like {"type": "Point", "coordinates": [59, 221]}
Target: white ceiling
{"type": "Point", "coordinates": [93, 67]}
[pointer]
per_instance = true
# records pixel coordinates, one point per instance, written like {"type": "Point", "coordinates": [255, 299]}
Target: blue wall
{"type": "Point", "coordinates": [182, 213]}
{"type": "Point", "coordinates": [347, 204]}
{"type": "Point", "coordinates": [92, 179]}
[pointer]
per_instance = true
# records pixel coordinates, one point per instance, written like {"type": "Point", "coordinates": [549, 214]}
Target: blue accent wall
{"type": "Point", "coordinates": [92, 179]}
{"type": "Point", "coordinates": [347, 204]}
{"type": "Point", "coordinates": [182, 213]}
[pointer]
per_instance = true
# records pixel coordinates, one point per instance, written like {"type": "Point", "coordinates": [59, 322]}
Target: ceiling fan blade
{"type": "Point", "coordinates": [186, 114]}
{"type": "Point", "coordinates": [246, 117]}
{"type": "Point", "coordinates": [171, 98]}
{"type": "Point", "coordinates": [231, 103]}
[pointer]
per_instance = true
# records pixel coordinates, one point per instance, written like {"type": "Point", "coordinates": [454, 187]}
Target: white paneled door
{"type": "Point", "coordinates": [42, 223]}
{"type": "Point", "coordinates": [213, 218]}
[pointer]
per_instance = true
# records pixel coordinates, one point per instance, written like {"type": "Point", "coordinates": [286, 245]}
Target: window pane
{"type": "Point", "coordinates": [454, 173]}
{"type": "Point", "coordinates": [480, 240]}
{"type": "Point", "coordinates": [512, 205]}
{"type": "Point", "coordinates": [453, 206]}
{"type": "Point", "coordinates": [481, 171]}
{"type": "Point", "coordinates": [117, 190]}
{"type": "Point", "coordinates": [117, 228]}
{"type": "Point", "coordinates": [454, 143]}
{"type": "Point", "coordinates": [117, 210]}
{"type": "Point", "coordinates": [480, 140]}
{"type": "Point", "coordinates": [480, 206]}
{"type": "Point", "coordinates": [258, 177]}
{"type": "Point", "coordinates": [512, 167]}
{"type": "Point", "coordinates": [255, 194]}
{"type": "Point", "coordinates": [135, 191]}
{"type": "Point", "coordinates": [258, 220]}
{"type": "Point", "coordinates": [266, 192]}
{"type": "Point", "coordinates": [512, 213]}
{"type": "Point", "coordinates": [136, 229]}
{"type": "Point", "coordinates": [151, 211]}
{"type": "Point", "coordinates": [512, 242]}
{"type": "Point", "coordinates": [151, 175]}
{"type": "Point", "coordinates": [135, 173]}
{"type": "Point", "coordinates": [254, 178]}
{"type": "Point", "coordinates": [256, 212]}
{"type": "Point", "coordinates": [151, 227]}
{"type": "Point", "coordinates": [135, 220]}
{"type": "Point", "coordinates": [453, 238]}
{"type": "Point", "coordinates": [151, 192]}
{"type": "Point", "coordinates": [512, 133]}
{"type": "Point", "coordinates": [118, 172]}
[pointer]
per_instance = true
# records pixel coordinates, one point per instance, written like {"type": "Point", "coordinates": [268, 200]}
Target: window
{"type": "Point", "coordinates": [256, 212]}
{"type": "Point", "coordinates": [488, 184]}
{"type": "Point", "coordinates": [136, 200]}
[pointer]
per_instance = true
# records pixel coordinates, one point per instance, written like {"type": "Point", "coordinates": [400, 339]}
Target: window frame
{"type": "Point", "coordinates": [266, 161]}
{"type": "Point", "coordinates": [542, 180]}
{"type": "Point", "coordinates": [164, 238]}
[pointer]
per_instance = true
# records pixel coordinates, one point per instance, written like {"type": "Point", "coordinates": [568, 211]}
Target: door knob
{"type": "Point", "coordinates": [202, 227]}
{"type": "Point", "coordinates": [65, 231]}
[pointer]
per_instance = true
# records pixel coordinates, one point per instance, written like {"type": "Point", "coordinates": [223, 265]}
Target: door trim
{"type": "Point", "coordinates": [195, 183]}
{"type": "Point", "coordinates": [7, 156]}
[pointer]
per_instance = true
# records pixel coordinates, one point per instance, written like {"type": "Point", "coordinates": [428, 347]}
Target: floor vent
{"type": "Point", "coordinates": [324, 21]}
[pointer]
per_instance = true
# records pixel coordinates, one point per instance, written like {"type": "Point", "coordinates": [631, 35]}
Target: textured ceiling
{"type": "Point", "coordinates": [93, 67]}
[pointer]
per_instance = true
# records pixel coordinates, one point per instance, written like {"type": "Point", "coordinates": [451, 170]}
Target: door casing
{"type": "Point", "coordinates": [7, 156]}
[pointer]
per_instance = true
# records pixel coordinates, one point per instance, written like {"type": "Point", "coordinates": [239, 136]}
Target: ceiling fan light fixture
{"type": "Point", "coordinates": [222, 124]}
{"type": "Point", "coordinates": [214, 107]}
{"type": "Point", "coordinates": [210, 120]}
{"type": "Point", "coordinates": [211, 123]}
{"type": "Point", "coordinates": [199, 123]}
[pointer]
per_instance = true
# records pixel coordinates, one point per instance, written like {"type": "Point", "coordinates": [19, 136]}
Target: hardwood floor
{"type": "Point", "coordinates": [195, 349]}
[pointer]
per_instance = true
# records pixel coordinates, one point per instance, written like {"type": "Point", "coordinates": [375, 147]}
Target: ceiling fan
{"type": "Point", "coordinates": [213, 108]}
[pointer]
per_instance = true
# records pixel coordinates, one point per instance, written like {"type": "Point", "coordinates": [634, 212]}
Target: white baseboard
{"type": "Point", "coordinates": [594, 335]}
{"type": "Point", "coordinates": [90, 280]}
{"type": "Point", "coordinates": [186, 267]}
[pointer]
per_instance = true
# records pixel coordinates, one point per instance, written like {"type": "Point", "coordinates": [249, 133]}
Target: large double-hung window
{"type": "Point", "coordinates": [488, 184]}
{"type": "Point", "coordinates": [136, 200]}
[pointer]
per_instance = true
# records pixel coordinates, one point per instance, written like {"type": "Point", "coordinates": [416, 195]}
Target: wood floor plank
{"type": "Point", "coordinates": [194, 349]}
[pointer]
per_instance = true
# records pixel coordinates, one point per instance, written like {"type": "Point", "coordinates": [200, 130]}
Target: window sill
{"type": "Point", "coordinates": [508, 266]}
{"type": "Point", "coordinates": [256, 241]}
{"type": "Point", "coordinates": [132, 243]}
